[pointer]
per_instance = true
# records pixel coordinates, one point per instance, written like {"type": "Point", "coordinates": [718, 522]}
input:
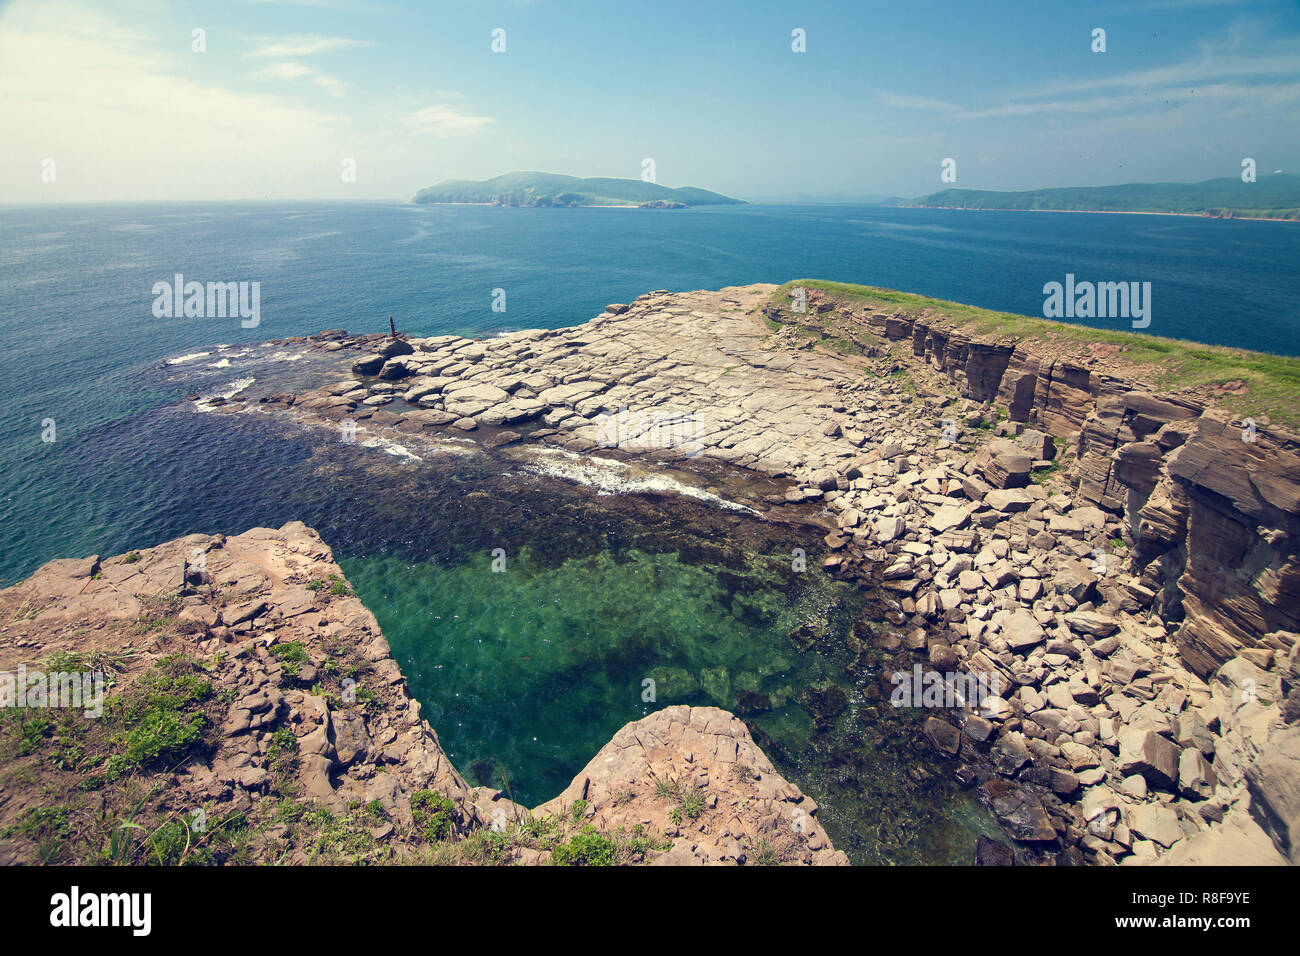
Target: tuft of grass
{"type": "Point", "coordinates": [692, 804]}
{"type": "Point", "coordinates": [764, 854]}
{"type": "Point", "coordinates": [667, 789]}
{"type": "Point", "coordinates": [335, 585]}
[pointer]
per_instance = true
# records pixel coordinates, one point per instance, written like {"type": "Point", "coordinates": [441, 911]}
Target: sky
{"type": "Point", "coordinates": [373, 99]}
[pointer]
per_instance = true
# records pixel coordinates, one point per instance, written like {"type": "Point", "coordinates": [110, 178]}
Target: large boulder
{"type": "Point", "coordinates": [1004, 464]}
{"type": "Point", "coordinates": [1021, 631]}
{"type": "Point", "coordinates": [368, 365]}
{"type": "Point", "coordinates": [1274, 783]}
{"type": "Point", "coordinates": [1019, 811]}
{"type": "Point", "coordinates": [1146, 752]}
{"type": "Point", "coordinates": [1008, 500]}
{"type": "Point", "coordinates": [397, 368]}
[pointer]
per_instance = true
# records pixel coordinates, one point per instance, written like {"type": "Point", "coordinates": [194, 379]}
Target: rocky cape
{"type": "Point", "coordinates": [1120, 563]}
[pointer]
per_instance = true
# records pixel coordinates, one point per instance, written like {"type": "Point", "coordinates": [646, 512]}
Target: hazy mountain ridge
{"type": "Point", "coordinates": [552, 189]}
{"type": "Point", "coordinates": [1272, 196]}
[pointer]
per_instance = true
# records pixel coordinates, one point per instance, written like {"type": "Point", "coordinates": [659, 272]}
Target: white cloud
{"type": "Point", "coordinates": [304, 45]}
{"type": "Point", "coordinates": [444, 119]}
{"type": "Point", "coordinates": [123, 118]}
{"type": "Point", "coordinates": [292, 70]}
{"type": "Point", "coordinates": [906, 101]}
{"type": "Point", "coordinates": [1239, 82]}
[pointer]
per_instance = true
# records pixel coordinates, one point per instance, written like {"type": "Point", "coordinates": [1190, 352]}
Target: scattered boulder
{"type": "Point", "coordinates": [1004, 464]}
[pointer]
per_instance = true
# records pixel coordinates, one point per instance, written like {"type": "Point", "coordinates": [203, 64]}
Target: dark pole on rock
{"type": "Point", "coordinates": [392, 329]}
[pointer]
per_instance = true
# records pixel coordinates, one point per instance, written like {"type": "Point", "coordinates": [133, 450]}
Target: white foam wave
{"type": "Point", "coordinates": [230, 391]}
{"type": "Point", "coordinates": [612, 477]}
{"type": "Point", "coordinates": [181, 359]}
{"type": "Point", "coordinates": [392, 448]}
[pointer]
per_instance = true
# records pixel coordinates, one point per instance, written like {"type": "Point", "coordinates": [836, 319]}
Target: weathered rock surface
{"type": "Point", "coordinates": [750, 807]}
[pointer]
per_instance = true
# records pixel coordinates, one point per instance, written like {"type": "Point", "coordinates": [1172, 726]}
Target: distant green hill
{"type": "Point", "coordinates": [1272, 196]}
{"type": "Point", "coordinates": [550, 189]}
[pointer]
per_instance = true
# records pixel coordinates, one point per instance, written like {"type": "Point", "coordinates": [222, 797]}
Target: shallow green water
{"type": "Point", "coordinates": [526, 672]}
{"type": "Point", "coordinates": [526, 666]}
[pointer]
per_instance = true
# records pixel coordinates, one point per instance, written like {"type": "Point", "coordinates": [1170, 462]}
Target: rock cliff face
{"type": "Point", "coordinates": [252, 691]}
{"type": "Point", "coordinates": [1149, 648]}
{"type": "Point", "coordinates": [1212, 505]}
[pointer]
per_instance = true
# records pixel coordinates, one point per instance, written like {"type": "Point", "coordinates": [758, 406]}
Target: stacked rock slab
{"type": "Point", "coordinates": [1213, 505]}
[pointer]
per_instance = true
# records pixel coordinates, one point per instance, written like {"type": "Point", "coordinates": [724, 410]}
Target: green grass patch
{"type": "Point", "coordinates": [585, 848]}
{"type": "Point", "coordinates": [1258, 384]}
{"type": "Point", "coordinates": [162, 715]}
{"type": "Point", "coordinates": [433, 815]}
{"type": "Point", "coordinates": [291, 655]}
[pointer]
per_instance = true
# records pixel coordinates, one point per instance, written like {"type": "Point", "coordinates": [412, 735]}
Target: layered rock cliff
{"type": "Point", "coordinates": [1212, 505]}
{"type": "Point", "coordinates": [1208, 510]}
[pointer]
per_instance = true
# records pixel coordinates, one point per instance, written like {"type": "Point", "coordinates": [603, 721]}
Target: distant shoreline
{"type": "Point", "coordinates": [1103, 212]}
{"type": "Point", "coordinates": [590, 205]}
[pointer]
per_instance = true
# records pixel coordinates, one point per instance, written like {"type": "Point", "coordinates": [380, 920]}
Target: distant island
{"type": "Point", "coordinates": [551, 189]}
{"type": "Point", "coordinates": [1272, 196]}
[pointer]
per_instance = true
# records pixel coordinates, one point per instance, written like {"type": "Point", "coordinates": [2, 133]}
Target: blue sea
{"type": "Point", "coordinates": [78, 325]}
{"type": "Point", "coordinates": [530, 678]}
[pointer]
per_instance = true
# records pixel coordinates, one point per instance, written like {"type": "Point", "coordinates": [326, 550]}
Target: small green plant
{"type": "Point", "coordinates": [692, 803]}
{"type": "Point", "coordinates": [291, 655]}
{"type": "Point", "coordinates": [576, 810]}
{"type": "Point", "coordinates": [638, 843]}
{"type": "Point", "coordinates": [432, 813]}
{"type": "Point", "coordinates": [587, 848]}
{"type": "Point", "coordinates": [335, 585]}
{"type": "Point", "coordinates": [282, 756]}
{"type": "Point", "coordinates": [368, 699]}
{"type": "Point", "coordinates": [131, 558]}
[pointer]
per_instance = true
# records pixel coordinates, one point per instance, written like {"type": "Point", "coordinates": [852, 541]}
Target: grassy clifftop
{"type": "Point", "coordinates": [1256, 384]}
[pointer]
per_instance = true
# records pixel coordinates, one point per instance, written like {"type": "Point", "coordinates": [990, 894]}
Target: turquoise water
{"type": "Point", "coordinates": [554, 655]}
{"type": "Point", "coordinates": [527, 671]}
